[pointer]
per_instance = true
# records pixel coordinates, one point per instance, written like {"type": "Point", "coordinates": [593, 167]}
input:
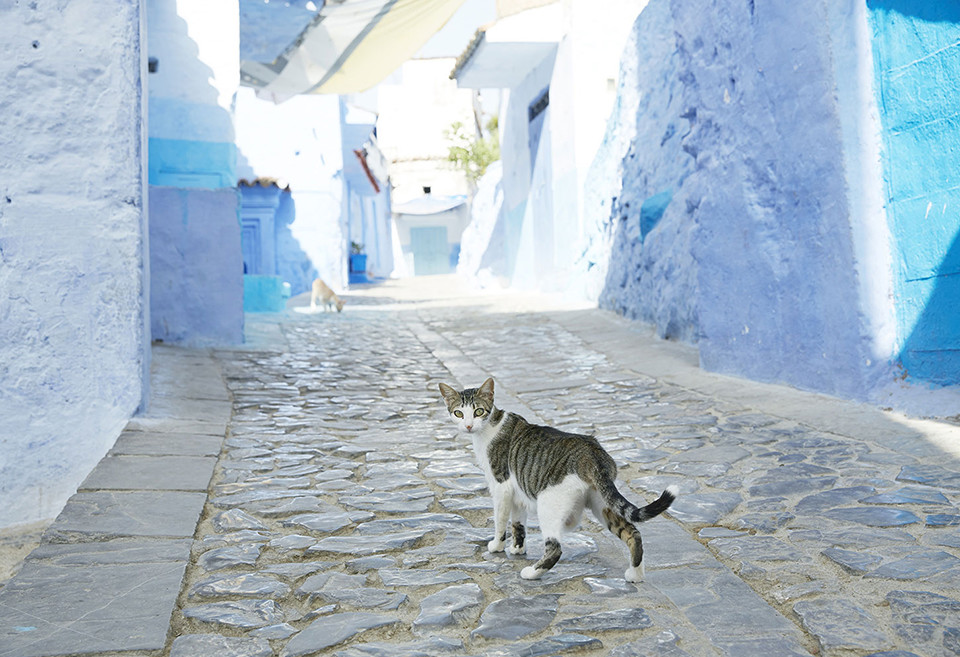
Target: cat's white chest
{"type": "Point", "coordinates": [481, 445]}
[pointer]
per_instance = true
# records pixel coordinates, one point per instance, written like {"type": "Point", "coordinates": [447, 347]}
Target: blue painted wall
{"type": "Point", "coordinates": [522, 245]}
{"type": "Point", "coordinates": [916, 47]}
{"type": "Point", "coordinates": [652, 275]}
{"type": "Point", "coordinates": [366, 216]}
{"type": "Point", "coordinates": [264, 294]}
{"type": "Point", "coordinates": [779, 299]}
{"type": "Point", "coordinates": [192, 164]}
{"type": "Point", "coordinates": [190, 115]}
{"type": "Point", "coordinates": [74, 318]}
{"type": "Point", "coordinates": [196, 264]}
{"type": "Point", "coordinates": [732, 229]}
{"type": "Point", "coordinates": [196, 268]}
{"type": "Point", "coordinates": [269, 247]}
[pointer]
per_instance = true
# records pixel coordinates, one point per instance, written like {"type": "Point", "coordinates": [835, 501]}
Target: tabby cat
{"type": "Point", "coordinates": [557, 473]}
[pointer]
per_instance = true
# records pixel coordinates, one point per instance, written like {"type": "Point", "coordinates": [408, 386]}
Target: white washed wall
{"type": "Point", "coordinates": [298, 142]}
{"type": "Point", "coordinates": [73, 345]}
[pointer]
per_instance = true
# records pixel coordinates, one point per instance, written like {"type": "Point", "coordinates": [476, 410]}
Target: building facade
{"type": "Point", "coordinates": [771, 184]}
{"type": "Point", "coordinates": [196, 273]}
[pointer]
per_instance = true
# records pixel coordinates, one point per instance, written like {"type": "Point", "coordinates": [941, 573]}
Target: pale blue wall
{"type": "Point", "coordinates": [752, 255]}
{"type": "Point", "coordinates": [916, 48]}
{"type": "Point", "coordinates": [196, 50]}
{"type": "Point", "coordinates": [652, 275]}
{"type": "Point", "coordinates": [264, 294]}
{"type": "Point", "coordinates": [778, 296]}
{"type": "Point", "coordinates": [196, 277]}
{"type": "Point", "coordinates": [196, 265]}
{"type": "Point", "coordinates": [522, 238]}
{"type": "Point", "coordinates": [191, 142]}
{"type": "Point", "coordinates": [298, 142]}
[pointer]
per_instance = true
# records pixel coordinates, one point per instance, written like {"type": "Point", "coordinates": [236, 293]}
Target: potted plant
{"type": "Point", "coordinates": [358, 263]}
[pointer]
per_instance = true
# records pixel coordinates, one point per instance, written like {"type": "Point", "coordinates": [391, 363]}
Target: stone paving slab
{"type": "Point", "coordinates": [118, 551]}
{"type": "Point", "coordinates": [99, 515]}
{"type": "Point", "coordinates": [173, 425]}
{"type": "Point", "coordinates": [146, 443]}
{"type": "Point", "coordinates": [140, 472]}
{"type": "Point", "coordinates": [51, 609]}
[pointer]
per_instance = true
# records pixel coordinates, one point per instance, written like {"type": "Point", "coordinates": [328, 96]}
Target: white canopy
{"type": "Point", "coordinates": [349, 47]}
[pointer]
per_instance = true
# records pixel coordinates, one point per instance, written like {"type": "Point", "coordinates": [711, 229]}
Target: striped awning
{"type": "Point", "coordinates": [349, 46]}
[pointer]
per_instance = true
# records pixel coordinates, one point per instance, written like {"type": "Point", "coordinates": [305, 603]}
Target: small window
{"type": "Point", "coordinates": [537, 107]}
{"type": "Point", "coordinates": [536, 113]}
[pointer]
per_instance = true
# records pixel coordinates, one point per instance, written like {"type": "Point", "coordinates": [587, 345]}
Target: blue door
{"type": "Point", "coordinates": [250, 246]}
{"type": "Point", "coordinates": [430, 250]}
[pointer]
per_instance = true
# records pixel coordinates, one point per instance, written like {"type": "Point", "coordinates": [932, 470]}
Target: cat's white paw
{"type": "Point", "coordinates": [634, 574]}
{"type": "Point", "coordinates": [531, 572]}
{"type": "Point", "coordinates": [495, 546]}
{"type": "Point", "coordinates": [513, 549]}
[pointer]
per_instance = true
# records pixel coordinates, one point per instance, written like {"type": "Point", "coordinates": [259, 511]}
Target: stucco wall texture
{"type": "Point", "coordinates": [73, 344]}
{"type": "Point", "coordinates": [733, 226]}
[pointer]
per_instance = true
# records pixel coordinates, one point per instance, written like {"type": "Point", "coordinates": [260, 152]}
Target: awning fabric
{"type": "Point", "coordinates": [349, 47]}
{"type": "Point", "coordinates": [502, 54]}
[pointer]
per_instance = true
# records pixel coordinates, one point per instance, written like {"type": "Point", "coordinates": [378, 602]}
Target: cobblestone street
{"type": "Point", "coordinates": [306, 493]}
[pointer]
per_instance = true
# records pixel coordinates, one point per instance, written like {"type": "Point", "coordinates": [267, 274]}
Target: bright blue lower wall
{"type": "Point", "coordinates": [192, 164]}
{"type": "Point", "coordinates": [264, 294]}
{"type": "Point", "coordinates": [916, 47]}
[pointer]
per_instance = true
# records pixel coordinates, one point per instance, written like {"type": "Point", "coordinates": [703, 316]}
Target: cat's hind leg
{"type": "Point", "coordinates": [558, 508]}
{"type": "Point", "coordinates": [627, 533]}
{"type": "Point", "coordinates": [551, 555]}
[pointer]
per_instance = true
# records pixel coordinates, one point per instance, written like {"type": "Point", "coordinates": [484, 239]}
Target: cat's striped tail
{"type": "Point", "coordinates": [633, 513]}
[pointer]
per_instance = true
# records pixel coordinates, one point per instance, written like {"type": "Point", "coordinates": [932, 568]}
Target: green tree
{"type": "Point", "coordinates": [472, 154]}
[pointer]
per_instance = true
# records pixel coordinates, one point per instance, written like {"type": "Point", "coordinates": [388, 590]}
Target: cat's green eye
{"type": "Point", "coordinates": [458, 413]}
{"type": "Point", "coordinates": [478, 412]}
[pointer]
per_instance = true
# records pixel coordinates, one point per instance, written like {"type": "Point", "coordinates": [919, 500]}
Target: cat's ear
{"type": "Point", "coordinates": [450, 395]}
{"type": "Point", "coordinates": [486, 389]}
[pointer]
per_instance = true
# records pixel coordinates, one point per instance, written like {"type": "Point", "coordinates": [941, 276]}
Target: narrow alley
{"type": "Point", "coordinates": [305, 493]}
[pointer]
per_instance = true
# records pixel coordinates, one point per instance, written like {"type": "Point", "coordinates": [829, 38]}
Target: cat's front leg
{"type": "Point", "coordinates": [519, 530]}
{"type": "Point", "coordinates": [502, 503]}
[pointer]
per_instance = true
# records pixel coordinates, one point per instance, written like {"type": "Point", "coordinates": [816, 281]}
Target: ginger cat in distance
{"type": "Point", "coordinates": [322, 292]}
